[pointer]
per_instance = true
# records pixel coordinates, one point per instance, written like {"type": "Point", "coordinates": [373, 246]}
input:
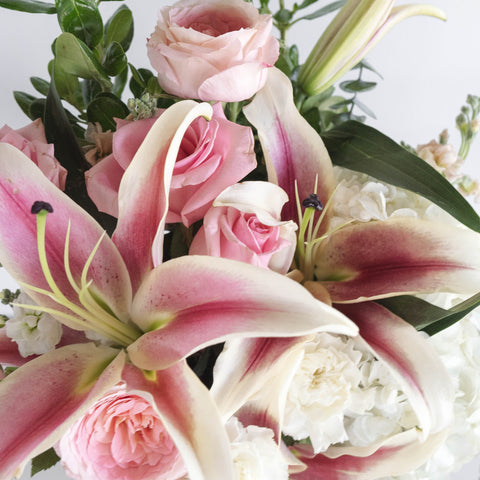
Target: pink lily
{"type": "Point", "coordinates": [153, 314]}
{"type": "Point", "coordinates": [351, 264]}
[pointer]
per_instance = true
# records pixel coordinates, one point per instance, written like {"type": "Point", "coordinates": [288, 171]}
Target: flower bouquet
{"type": "Point", "coordinates": [223, 272]}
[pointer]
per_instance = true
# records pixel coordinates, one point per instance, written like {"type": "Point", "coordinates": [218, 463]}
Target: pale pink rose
{"type": "Point", "coordinates": [213, 155]}
{"type": "Point", "coordinates": [244, 224]}
{"type": "Point", "coordinates": [212, 49]}
{"type": "Point", "coordinates": [32, 142]}
{"type": "Point", "coordinates": [120, 438]}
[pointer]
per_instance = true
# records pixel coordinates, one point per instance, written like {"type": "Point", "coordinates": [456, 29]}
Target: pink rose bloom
{"type": "Point", "coordinates": [32, 142]}
{"type": "Point", "coordinates": [213, 155]}
{"type": "Point", "coordinates": [244, 224]}
{"type": "Point", "coordinates": [120, 438]}
{"type": "Point", "coordinates": [212, 49]}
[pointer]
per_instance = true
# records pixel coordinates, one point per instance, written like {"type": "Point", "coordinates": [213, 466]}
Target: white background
{"type": "Point", "coordinates": [428, 67]}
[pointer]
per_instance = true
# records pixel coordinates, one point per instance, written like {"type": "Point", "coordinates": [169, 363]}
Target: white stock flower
{"type": "Point", "coordinates": [256, 455]}
{"type": "Point", "coordinates": [34, 332]}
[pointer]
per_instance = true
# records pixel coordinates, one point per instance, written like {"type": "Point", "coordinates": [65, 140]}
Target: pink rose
{"type": "Point", "coordinates": [213, 155]}
{"type": "Point", "coordinates": [244, 224]}
{"type": "Point", "coordinates": [212, 49]}
{"type": "Point", "coordinates": [32, 142]}
{"type": "Point", "coordinates": [120, 438]}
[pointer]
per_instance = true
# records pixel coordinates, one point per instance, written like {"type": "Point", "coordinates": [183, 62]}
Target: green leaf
{"type": "Point", "coordinates": [29, 6]}
{"type": "Point", "coordinates": [322, 11]}
{"type": "Point", "coordinates": [67, 151]}
{"type": "Point", "coordinates": [40, 85]}
{"type": "Point", "coordinates": [82, 19]}
{"type": "Point", "coordinates": [425, 316]}
{"type": "Point", "coordinates": [283, 16]}
{"type": "Point", "coordinates": [353, 86]}
{"type": "Point", "coordinates": [115, 60]}
{"type": "Point", "coordinates": [363, 149]}
{"type": "Point", "coordinates": [44, 461]}
{"type": "Point", "coordinates": [120, 82]}
{"type": "Point", "coordinates": [119, 28]}
{"type": "Point", "coordinates": [104, 108]}
{"type": "Point", "coordinates": [139, 80]}
{"type": "Point", "coordinates": [24, 101]}
{"type": "Point", "coordinates": [72, 56]}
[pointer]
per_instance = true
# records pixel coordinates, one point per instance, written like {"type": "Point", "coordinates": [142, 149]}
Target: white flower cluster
{"type": "Point", "coordinates": [34, 332]}
{"type": "Point", "coordinates": [364, 198]}
{"type": "Point", "coordinates": [459, 349]}
{"type": "Point", "coordinates": [342, 394]}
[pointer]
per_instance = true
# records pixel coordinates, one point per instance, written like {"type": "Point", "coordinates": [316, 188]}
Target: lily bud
{"type": "Point", "coordinates": [354, 31]}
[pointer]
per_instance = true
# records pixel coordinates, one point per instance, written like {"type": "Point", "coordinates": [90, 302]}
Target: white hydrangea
{"type": "Point", "coordinates": [342, 394]}
{"type": "Point", "coordinates": [256, 455]}
{"type": "Point", "coordinates": [364, 198]}
{"type": "Point", "coordinates": [34, 332]}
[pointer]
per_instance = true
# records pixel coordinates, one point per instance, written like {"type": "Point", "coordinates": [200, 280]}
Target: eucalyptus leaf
{"type": "Point", "coordinates": [322, 11]}
{"type": "Point", "coordinates": [361, 148]}
{"type": "Point", "coordinates": [74, 57]}
{"type": "Point", "coordinates": [119, 28]}
{"type": "Point", "coordinates": [82, 19]}
{"type": "Point", "coordinates": [115, 60]}
{"type": "Point", "coordinates": [44, 461]}
{"type": "Point", "coordinates": [29, 6]}
{"type": "Point", "coordinates": [427, 317]}
{"type": "Point", "coordinates": [363, 107]}
{"type": "Point", "coordinates": [104, 108]}
{"type": "Point", "coordinates": [40, 85]}
{"type": "Point", "coordinates": [353, 86]}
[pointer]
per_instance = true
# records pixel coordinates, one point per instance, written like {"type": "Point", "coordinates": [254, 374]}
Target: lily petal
{"type": "Point", "coordinates": [9, 354]}
{"type": "Point", "coordinates": [293, 150]}
{"type": "Point", "coordinates": [396, 456]}
{"type": "Point", "coordinates": [246, 367]}
{"type": "Point", "coordinates": [223, 298]}
{"type": "Point", "coordinates": [190, 416]}
{"type": "Point", "coordinates": [43, 398]}
{"type": "Point", "coordinates": [143, 192]}
{"type": "Point", "coordinates": [21, 184]}
{"type": "Point", "coordinates": [398, 256]}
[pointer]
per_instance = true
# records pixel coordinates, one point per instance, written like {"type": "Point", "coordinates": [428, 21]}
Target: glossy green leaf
{"type": "Point", "coordinates": [139, 80]}
{"type": "Point", "coordinates": [115, 60]}
{"type": "Point", "coordinates": [119, 28]}
{"type": "Point", "coordinates": [44, 461]}
{"type": "Point", "coordinates": [120, 82]}
{"type": "Point", "coordinates": [67, 151]}
{"type": "Point", "coordinates": [353, 86]}
{"type": "Point", "coordinates": [29, 6]}
{"type": "Point", "coordinates": [40, 85]}
{"type": "Point", "coordinates": [24, 101]}
{"type": "Point", "coordinates": [361, 148]}
{"type": "Point", "coordinates": [104, 108]}
{"type": "Point", "coordinates": [82, 19]}
{"type": "Point", "coordinates": [68, 87]}
{"type": "Point", "coordinates": [427, 317]}
{"type": "Point", "coordinates": [74, 57]}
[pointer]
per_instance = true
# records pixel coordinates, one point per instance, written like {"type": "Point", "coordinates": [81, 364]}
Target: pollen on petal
{"type": "Point", "coordinates": [39, 205]}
